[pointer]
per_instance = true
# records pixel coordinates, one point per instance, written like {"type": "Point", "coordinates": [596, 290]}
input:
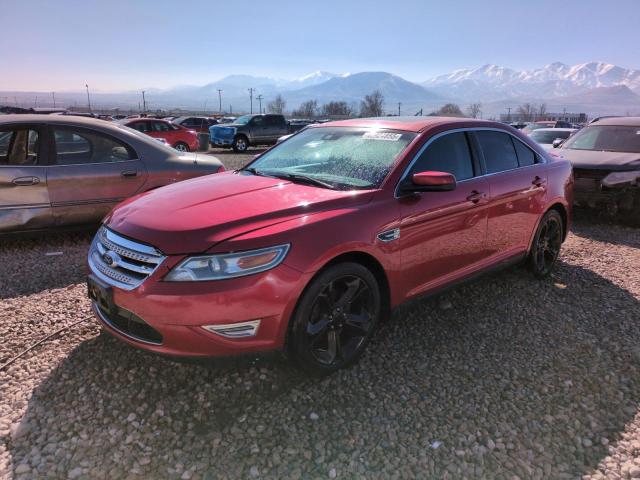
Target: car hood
{"type": "Point", "coordinates": [194, 215]}
{"type": "Point", "coordinates": [601, 160]}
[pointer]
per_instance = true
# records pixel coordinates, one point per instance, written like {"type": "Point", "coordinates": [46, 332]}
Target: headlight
{"type": "Point", "coordinates": [617, 178]}
{"type": "Point", "coordinates": [227, 265]}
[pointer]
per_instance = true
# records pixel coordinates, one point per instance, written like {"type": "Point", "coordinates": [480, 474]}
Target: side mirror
{"type": "Point", "coordinates": [557, 142]}
{"type": "Point", "coordinates": [430, 182]}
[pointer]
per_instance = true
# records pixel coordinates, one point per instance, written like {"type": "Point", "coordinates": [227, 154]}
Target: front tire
{"type": "Point", "coordinates": [335, 318]}
{"type": "Point", "coordinates": [181, 147]}
{"type": "Point", "coordinates": [240, 144]}
{"type": "Point", "coordinates": [546, 244]}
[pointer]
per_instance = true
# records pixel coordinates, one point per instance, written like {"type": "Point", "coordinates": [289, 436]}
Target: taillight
{"type": "Point", "coordinates": [221, 169]}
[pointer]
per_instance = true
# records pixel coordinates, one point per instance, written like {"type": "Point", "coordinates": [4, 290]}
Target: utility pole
{"type": "Point", "coordinates": [53, 94]}
{"type": "Point", "coordinates": [88, 97]}
{"type": "Point", "coordinates": [144, 103]}
{"type": "Point", "coordinates": [259, 98]}
{"type": "Point", "coordinates": [220, 100]}
{"type": "Point", "coordinates": [399, 105]}
{"type": "Point", "coordinates": [251, 90]}
{"type": "Point", "coordinates": [35, 103]}
{"type": "Point", "coordinates": [508, 114]}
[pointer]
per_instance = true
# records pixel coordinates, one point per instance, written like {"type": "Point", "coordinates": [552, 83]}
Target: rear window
{"type": "Point", "coordinates": [547, 136]}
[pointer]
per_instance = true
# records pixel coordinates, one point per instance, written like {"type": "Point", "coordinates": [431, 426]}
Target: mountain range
{"type": "Point", "coordinates": [595, 88]}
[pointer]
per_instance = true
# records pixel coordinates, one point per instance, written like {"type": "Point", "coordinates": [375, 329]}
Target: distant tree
{"type": "Point", "coordinates": [542, 111]}
{"type": "Point", "coordinates": [306, 109]}
{"type": "Point", "coordinates": [448, 110]}
{"type": "Point", "coordinates": [372, 105]}
{"type": "Point", "coordinates": [337, 108]}
{"type": "Point", "coordinates": [527, 112]}
{"type": "Point", "coordinates": [277, 105]}
{"type": "Point", "coordinates": [474, 110]}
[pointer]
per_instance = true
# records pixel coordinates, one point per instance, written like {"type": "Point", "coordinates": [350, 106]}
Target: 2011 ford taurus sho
{"type": "Point", "coordinates": [308, 247]}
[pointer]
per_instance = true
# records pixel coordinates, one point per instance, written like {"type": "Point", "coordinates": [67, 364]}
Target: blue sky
{"type": "Point", "coordinates": [117, 45]}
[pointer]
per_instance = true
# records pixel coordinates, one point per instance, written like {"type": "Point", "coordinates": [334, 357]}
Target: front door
{"type": "Point", "coordinates": [92, 172]}
{"type": "Point", "coordinates": [24, 198]}
{"type": "Point", "coordinates": [442, 234]}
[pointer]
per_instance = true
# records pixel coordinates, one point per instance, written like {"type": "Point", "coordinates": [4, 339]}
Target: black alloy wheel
{"type": "Point", "coordinates": [546, 244]}
{"type": "Point", "coordinates": [335, 318]}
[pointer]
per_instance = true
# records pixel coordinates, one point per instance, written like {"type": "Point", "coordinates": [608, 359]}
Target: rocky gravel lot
{"type": "Point", "coordinates": [506, 377]}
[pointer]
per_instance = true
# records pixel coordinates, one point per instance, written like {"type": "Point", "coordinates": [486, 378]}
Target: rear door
{"type": "Point", "coordinates": [442, 234]}
{"type": "Point", "coordinates": [91, 172]}
{"type": "Point", "coordinates": [518, 178]}
{"type": "Point", "coordinates": [24, 198]}
{"type": "Point", "coordinates": [259, 129]}
{"type": "Point", "coordinates": [276, 127]}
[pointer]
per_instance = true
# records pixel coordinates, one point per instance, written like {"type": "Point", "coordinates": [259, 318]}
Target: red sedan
{"type": "Point", "coordinates": [177, 136]}
{"type": "Point", "coordinates": [310, 246]}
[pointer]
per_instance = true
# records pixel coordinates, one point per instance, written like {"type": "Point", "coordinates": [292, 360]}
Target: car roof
{"type": "Point", "coordinates": [554, 130]}
{"type": "Point", "coordinates": [409, 124]}
{"type": "Point", "coordinates": [619, 121]}
{"type": "Point", "coordinates": [55, 119]}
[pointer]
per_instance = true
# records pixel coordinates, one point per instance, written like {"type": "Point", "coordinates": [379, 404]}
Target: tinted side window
{"type": "Point", "coordinates": [140, 126]}
{"type": "Point", "coordinates": [499, 154]}
{"type": "Point", "coordinates": [257, 121]}
{"type": "Point", "coordinates": [19, 147]}
{"type": "Point", "coordinates": [526, 156]}
{"type": "Point", "coordinates": [274, 120]}
{"type": "Point", "coordinates": [160, 127]}
{"type": "Point", "coordinates": [75, 147]}
{"type": "Point", "coordinates": [449, 153]}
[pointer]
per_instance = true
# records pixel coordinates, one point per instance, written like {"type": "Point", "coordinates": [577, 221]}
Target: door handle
{"type": "Point", "coordinates": [129, 173]}
{"type": "Point", "coordinates": [538, 181]}
{"type": "Point", "coordinates": [26, 181]}
{"type": "Point", "coordinates": [476, 196]}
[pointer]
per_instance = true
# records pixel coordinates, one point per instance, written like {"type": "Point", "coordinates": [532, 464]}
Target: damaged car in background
{"type": "Point", "coordinates": [62, 171]}
{"type": "Point", "coordinates": [606, 165]}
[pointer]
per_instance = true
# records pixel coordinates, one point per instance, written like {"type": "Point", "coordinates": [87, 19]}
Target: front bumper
{"type": "Point", "coordinates": [168, 317]}
{"type": "Point", "coordinates": [221, 141]}
{"type": "Point", "coordinates": [590, 190]}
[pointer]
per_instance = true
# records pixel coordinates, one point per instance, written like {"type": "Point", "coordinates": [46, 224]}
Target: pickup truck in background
{"type": "Point", "coordinates": [250, 130]}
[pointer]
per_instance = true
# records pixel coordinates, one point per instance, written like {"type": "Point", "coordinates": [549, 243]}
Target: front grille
{"type": "Point", "coordinates": [222, 132]}
{"type": "Point", "coordinates": [129, 325]}
{"type": "Point", "coordinates": [121, 262]}
{"type": "Point", "coordinates": [590, 173]}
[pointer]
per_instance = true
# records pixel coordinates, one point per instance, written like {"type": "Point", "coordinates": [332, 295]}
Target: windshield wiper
{"type": "Point", "coordinates": [304, 179]}
{"type": "Point", "coordinates": [253, 171]}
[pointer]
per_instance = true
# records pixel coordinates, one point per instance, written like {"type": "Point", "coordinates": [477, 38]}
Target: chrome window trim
{"type": "Point", "coordinates": [408, 168]}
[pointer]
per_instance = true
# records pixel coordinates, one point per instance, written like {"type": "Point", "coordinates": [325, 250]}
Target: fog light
{"type": "Point", "coordinates": [235, 330]}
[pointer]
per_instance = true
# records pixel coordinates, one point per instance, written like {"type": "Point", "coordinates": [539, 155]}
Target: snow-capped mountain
{"type": "Point", "coordinates": [492, 82]}
{"type": "Point", "coordinates": [312, 79]}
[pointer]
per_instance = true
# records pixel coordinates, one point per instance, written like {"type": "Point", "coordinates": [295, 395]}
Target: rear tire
{"type": "Point", "coordinates": [335, 319]}
{"type": "Point", "coordinates": [181, 147]}
{"type": "Point", "coordinates": [240, 144]}
{"type": "Point", "coordinates": [546, 244]}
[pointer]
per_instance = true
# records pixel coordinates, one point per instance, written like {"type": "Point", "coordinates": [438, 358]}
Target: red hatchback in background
{"type": "Point", "coordinates": [177, 136]}
{"type": "Point", "coordinates": [309, 246]}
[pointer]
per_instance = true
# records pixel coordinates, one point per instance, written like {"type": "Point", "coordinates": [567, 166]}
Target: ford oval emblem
{"type": "Point", "coordinates": [110, 258]}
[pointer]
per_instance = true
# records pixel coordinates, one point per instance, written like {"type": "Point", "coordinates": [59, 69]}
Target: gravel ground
{"type": "Point", "coordinates": [506, 377]}
{"type": "Point", "coordinates": [232, 160]}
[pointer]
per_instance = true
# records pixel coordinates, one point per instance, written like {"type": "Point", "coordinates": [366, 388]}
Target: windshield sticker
{"type": "Point", "coordinates": [386, 136]}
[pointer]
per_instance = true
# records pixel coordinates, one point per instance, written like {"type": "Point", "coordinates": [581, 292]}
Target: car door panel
{"type": "Point", "coordinates": [443, 234]}
{"type": "Point", "coordinates": [85, 192]}
{"type": "Point", "coordinates": [518, 191]}
{"type": "Point", "coordinates": [24, 197]}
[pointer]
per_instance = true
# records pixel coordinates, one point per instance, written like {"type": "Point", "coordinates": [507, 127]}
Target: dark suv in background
{"type": "Point", "coordinates": [199, 124]}
{"type": "Point", "coordinates": [250, 130]}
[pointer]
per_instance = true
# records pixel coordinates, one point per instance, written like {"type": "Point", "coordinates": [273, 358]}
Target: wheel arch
{"type": "Point", "coordinates": [356, 256]}
{"type": "Point", "coordinates": [562, 210]}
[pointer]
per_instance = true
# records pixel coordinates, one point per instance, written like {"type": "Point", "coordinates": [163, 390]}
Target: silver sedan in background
{"type": "Point", "coordinates": [59, 171]}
